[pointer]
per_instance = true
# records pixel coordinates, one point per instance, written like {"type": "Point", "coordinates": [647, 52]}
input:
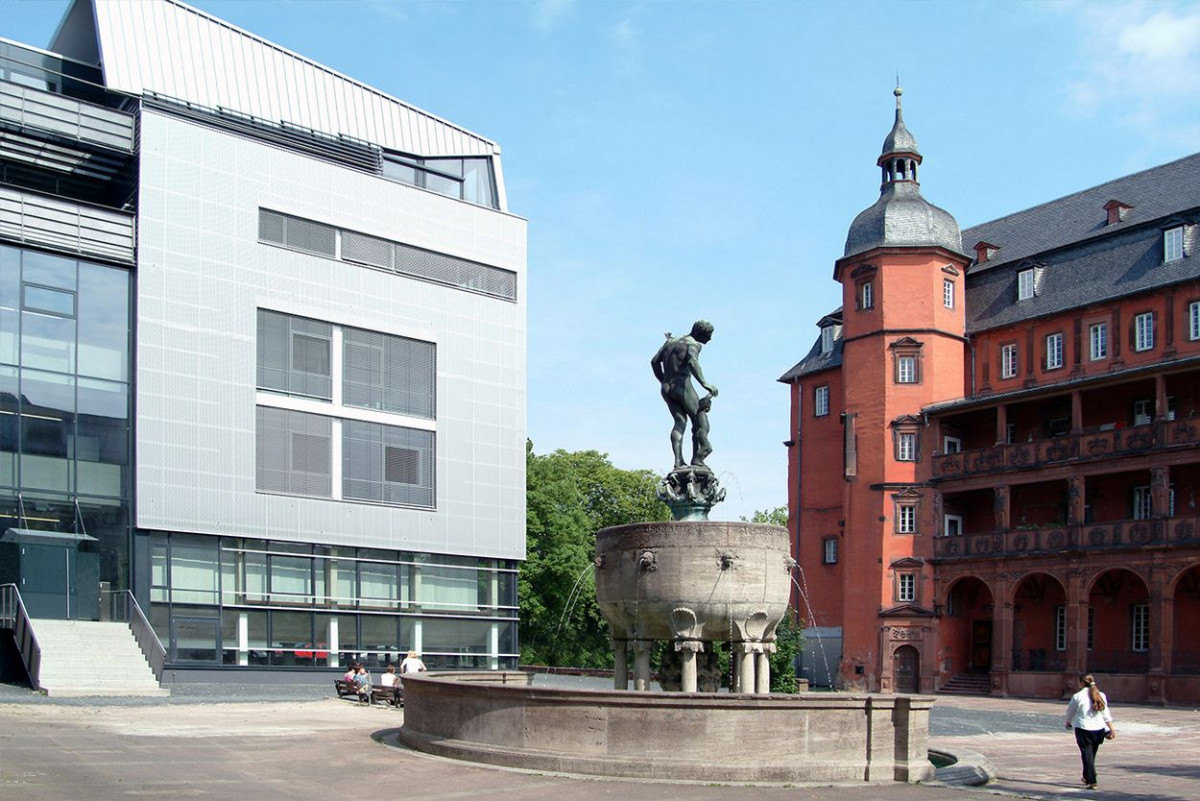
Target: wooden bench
{"type": "Point", "coordinates": [346, 689]}
{"type": "Point", "coordinates": [393, 695]}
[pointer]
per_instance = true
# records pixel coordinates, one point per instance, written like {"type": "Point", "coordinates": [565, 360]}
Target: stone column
{"type": "Point", "coordinates": [1160, 644]}
{"type": "Point", "coordinates": [746, 671]}
{"type": "Point", "coordinates": [1076, 632]}
{"type": "Point", "coordinates": [1076, 500]}
{"type": "Point", "coordinates": [762, 683]}
{"type": "Point", "coordinates": [641, 664]}
{"type": "Point", "coordinates": [1001, 424]}
{"type": "Point", "coordinates": [1076, 412]}
{"type": "Point", "coordinates": [688, 650]}
{"type": "Point", "coordinates": [1002, 504]}
{"type": "Point", "coordinates": [620, 665]}
{"type": "Point", "coordinates": [1160, 491]}
{"type": "Point", "coordinates": [1002, 636]}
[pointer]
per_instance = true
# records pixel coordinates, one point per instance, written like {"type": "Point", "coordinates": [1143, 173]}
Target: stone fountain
{"type": "Point", "coordinates": [693, 583]}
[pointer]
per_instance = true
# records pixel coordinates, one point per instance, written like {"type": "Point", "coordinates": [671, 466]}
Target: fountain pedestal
{"type": "Point", "coordinates": [694, 583]}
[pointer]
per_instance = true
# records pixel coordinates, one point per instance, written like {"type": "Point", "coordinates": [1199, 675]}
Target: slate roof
{"type": "Point", "coordinates": [1086, 260]}
{"type": "Point", "coordinates": [1153, 194]}
{"type": "Point", "coordinates": [902, 218]}
{"type": "Point", "coordinates": [816, 361]}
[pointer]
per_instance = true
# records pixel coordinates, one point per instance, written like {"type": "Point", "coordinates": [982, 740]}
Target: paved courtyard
{"type": "Point", "coordinates": [214, 744]}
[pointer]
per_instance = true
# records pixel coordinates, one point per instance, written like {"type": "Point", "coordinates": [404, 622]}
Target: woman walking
{"type": "Point", "coordinates": [1089, 715]}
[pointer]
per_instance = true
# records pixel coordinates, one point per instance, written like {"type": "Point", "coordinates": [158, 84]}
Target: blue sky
{"type": "Point", "coordinates": [705, 159]}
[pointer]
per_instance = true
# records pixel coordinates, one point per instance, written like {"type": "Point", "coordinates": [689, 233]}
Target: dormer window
{"type": "Point", "coordinates": [1116, 211]}
{"type": "Point", "coordinates": [1025, 284]}
{"type": "Point", "coordinates": [828, 336]}
{"type": "Point", "coordinates": [1173, 244]}
{"type": "Point", "coordinates": [984, 251]}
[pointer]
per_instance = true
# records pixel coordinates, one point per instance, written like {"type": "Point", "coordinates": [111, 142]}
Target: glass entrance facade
{"type": "Point", "coordinates": [64, 402]}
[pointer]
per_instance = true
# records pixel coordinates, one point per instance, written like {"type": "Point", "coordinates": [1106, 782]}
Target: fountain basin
{"type": "Point", "coordinates": [693, 583]}
{"type": "Point", "coordinates": [498, 719]}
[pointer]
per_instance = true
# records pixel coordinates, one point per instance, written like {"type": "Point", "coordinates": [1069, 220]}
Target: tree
{"type": "Point", "coordinates": [776, 517]}
{"type": "Point", "coordinates": [569, 497]}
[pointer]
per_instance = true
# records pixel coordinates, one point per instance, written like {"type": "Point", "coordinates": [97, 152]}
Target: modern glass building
{"type": "Point", "coordinates": [262, 350]}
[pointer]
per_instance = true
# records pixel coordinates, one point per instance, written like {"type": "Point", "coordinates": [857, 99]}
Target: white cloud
{"type": "Point", "coordinates": [1135, 55]}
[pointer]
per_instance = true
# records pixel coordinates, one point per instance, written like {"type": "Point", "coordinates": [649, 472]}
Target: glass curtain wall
{"type": "Point", "coordinates": [65, 402]}
{"type": "Point", "coordinates": [245, 602]}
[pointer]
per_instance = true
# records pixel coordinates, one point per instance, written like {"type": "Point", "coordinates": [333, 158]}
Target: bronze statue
{"type": "Point", "coordinates": [676, 362]}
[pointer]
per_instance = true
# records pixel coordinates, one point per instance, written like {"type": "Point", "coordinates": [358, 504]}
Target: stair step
{"type": "Point", "coordinates": [91, 658]}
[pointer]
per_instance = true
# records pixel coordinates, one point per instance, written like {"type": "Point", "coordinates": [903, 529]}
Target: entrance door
{"type": "Point", "coordinates": [981, 646]}
{"type": "Point", "coordinates": [906, 668]}
{"type": "Point", "coordinates": [46, 580]}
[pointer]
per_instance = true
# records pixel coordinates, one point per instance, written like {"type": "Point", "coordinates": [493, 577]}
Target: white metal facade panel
{"type": "Point", "coordinates": [173, 49]}
{"type": "Point", "coordinates": [202, 276]}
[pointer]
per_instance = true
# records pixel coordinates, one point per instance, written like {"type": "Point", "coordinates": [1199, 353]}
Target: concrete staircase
{"type": "Point", "coordinates": [968, 684]}
{"type": "Point", "coordinates": [84, 657]}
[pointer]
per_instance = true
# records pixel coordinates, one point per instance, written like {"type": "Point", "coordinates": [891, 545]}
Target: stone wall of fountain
{"type": "Point", "coordinates": [496, 718]}
{"type": "Point", "coordinates": [694, 584]}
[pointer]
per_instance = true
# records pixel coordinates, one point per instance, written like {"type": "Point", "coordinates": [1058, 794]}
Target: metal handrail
{"type": "Point", "coordinates": [13, 616]}
{"type": "Point", "coordinates": [126, 609]}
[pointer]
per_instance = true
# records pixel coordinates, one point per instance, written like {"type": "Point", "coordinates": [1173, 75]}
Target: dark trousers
{"type": "Point", "coordinates": [1089, 744]}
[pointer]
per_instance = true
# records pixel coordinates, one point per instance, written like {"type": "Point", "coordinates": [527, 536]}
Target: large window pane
{"type": "Point", "coordinates": [378, 584]}
{"type": "Point", "coordinates": [291, 579]}
{"type": "Point", "coordinates": [10, 417]}
{"type": "Point", "coordinates": [291, 632]}
{"type": "Point", "coordinates": [387, 464]}
{"type": "Point", "coordinates": [449, 588]}
{"type": "Point", "coordinates": [294, 355]}
{"type": "Point", "coordinates": [390, 373]}
{"type": "Point", "coordinates": [47, 428]}
{"type": "Point", "coordinates": [47, 270]}
{"type": "Point", "coordinates": [47, 342]}
{"type": "Point", "coordinates": [10, 303]}
{"type": "Point", "coordinates": [194, 574]}
{"type": "Point", "coordinates": [103, 322]}
{"type": "Point", "coordinates": [294, 453]}
{"type": "Point", "coordinates": [102, 437]}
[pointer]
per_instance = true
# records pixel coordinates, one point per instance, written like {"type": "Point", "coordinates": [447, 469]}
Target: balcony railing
{"type": "Point", "coordinates": [1109, 535]}
{"type": "Point", "coordinates": [29, 108]}
{"type": "Point", "coordinates": [90, 231]}
{"type": "Point", "coordinates": [1084, 446]}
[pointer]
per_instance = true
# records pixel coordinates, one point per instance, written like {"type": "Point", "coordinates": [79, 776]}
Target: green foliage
{"type": "Point", "coordinates": [776, 517]}
{"type": "Point", "coordinates": [569, 497]}
{"type": "Point", "coordinates": [789, 640]}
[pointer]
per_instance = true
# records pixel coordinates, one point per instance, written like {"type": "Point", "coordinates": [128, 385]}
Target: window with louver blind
{"type": "Point", "coordinates": [294, 355]}
{"type": "Point", "coordinates": [377, 372]}
{"type": "Point", "coordinates": [425, 265]}
{"type": "Point", "coordinates": [297, 233]}
{"type": "Point", "coordinates": [389, 373]}
{"type": "Point", "coordinates": [294, 452]}
{"type": "Point", "coordinates": [387, 464]}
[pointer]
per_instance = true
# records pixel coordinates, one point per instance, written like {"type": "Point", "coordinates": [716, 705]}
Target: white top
{"type": "Point", "coordinates": [1081, 715]}
{"type": "Point", "coordinates": [412, 664]}
{"type": "Point", "coordinates": [388, 679]}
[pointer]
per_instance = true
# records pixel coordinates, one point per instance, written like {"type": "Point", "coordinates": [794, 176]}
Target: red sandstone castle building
{"type": "Point", "coordinates": [995, 443]}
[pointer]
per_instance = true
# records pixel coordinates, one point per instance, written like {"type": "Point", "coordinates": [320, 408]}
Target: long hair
{"type": "Point", "coordinates": [1093, 692]}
